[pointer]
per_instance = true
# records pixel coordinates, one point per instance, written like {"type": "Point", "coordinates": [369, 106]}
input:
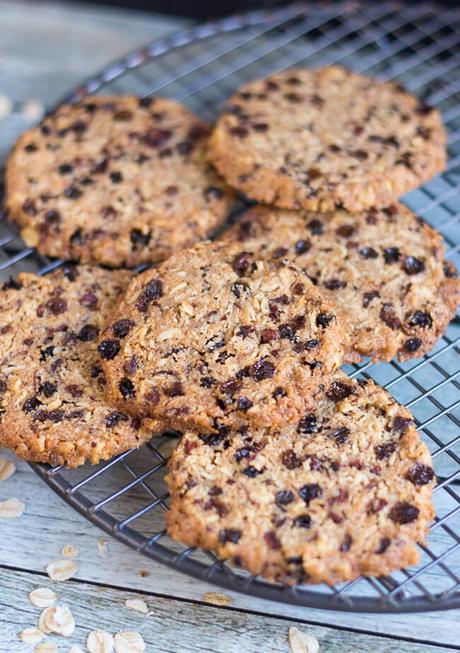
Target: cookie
{"type": "Point", "coordinates": [115, 180]}
{"type": "Point", "coordinates": [215, 338]}
{"type": "Point", "coordinates": [385, 269]}
{"type": "Point", "coordinates": [52, 405]}
{"type": "Point", "coordinates": [325, 139]}
{"type": "Point", "coordinates": [345, 493]}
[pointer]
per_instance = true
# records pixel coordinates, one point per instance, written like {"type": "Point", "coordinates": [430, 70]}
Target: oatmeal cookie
{"type": "Point", "coordinates": [384, 268]}
{"type": "Point", "coordinates": [325, 139]}
{"type": "Point", "coordinates": [345, 493]}
{"type": "Point", "coordinates": [52, 405]}
{"type": "Point", "coordinates": [214, 338]}
{"type": "Point", "coordinates": [115, 180]}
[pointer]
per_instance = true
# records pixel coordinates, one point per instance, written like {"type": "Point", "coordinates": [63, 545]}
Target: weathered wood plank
{"type": "Point", "coordinates": [175, 626]}
{"type": "Point", "coordinates": [48, 48]}
{"type": "Point", "coordinates": [48, 523]}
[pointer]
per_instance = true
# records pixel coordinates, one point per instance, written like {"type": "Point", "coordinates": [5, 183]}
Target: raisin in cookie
{"type": "Point", "coordinates": [52, 405]}
{"type": "Point", "coordinates": [325, 139]}
{"type": "Point", "coordinates": [214, 338]}
{"type": "Point", "coordinates": [118, 181]}
{"type": "Point", "coordinates": [384, 268]}
{"type": "Point", "coordinates": [346, 492]}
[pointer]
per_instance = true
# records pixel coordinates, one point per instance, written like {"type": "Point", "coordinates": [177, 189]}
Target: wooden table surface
{"type": "Point", "coordinates": [45, 49]}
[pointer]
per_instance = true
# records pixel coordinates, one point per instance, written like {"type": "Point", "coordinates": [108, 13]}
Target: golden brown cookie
{"type": "Point", "coordinates": [115, 180]}
{"type": "Point", "coordinates": [214, 338]}
{"type": "Point", "coordinates": [385, 269]}
{"type": "Point", "coordinates": [52, 405]}
{"type": "Point", "coordinates": [345, 493]}
{"type": "Point", "coordinates": [325, 139]}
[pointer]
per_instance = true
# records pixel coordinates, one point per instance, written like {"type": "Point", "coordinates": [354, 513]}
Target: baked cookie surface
{"type": "Point", "coordinates": [52, 406]}
{"type": "Point", "coordinates": [214, 337]}
{"type": "Point", "coordinates": [346, 492]}
{"type": "Point", "coordinates": [385, 269]}
{"type": "Point", "coordinates": [325, 139]}
{"type": "Point", "coordinates": [115, 180]}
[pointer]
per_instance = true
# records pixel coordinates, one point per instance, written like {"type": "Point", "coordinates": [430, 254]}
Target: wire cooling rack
{"type": "Point", "coordinates": [418, 45]}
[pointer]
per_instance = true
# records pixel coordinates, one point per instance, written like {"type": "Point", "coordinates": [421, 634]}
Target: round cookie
{"type": "Point", "coordinates": [325, 139]}
{"type": "Point", "coordinates": [52, 405]}
{"type": "Point", "coordinates": [214, 338]}
{"type": "Point", "coordinates": [385, 269]}
{"type": "Point", "coordinates": [345, 493]}
{"type": "Point", "coordinates": [115, 180]}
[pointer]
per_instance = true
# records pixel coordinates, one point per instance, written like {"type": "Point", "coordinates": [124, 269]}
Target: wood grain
{"type": "Point", "coordinates": [47, 48]}
{"type": "Point", "coordinates": [48, 523]}
{"type": "Point", "coordinates": [175, 626]}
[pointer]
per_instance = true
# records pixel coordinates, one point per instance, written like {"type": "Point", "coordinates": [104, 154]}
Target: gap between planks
{"type": "Point", "coordinates": [49, 524]}
{"type": "Point", "coordinates": [178, 626]}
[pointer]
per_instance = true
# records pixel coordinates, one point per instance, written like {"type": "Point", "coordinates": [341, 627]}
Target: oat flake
{"type": "Point", "coordinates": [31, 636]}
{"type": "Point", "coordinates": [217, 598]}
{"type": "Point", "coordinates": [7, 468]}
{"type": "Point", "coordinates": [42, 597]}
{"type": "Point", "coordinates": [11, 508]}
{"type": "Point", "coordinates": [102, 545]}
{"type": "Point", "coordinates": [302, 642]}
{"type": "Point", "coordinates": [33, 110]}
{"type": "Point", "coordinates": [69, 551]}
{"type": "Point", "coordinates": [57, 620]}
{"type": "Point", "coordinates": [137, 604]}
{"type": "Point", "coordinates": [6, 106]}
{"type": "Point", "coordinates": [75, 649]}
{"type": "Point", "coordinates": [60, 570]}
{"type": "Point", "coordinates": [46, 647]}
{"type": "Point", "coordinates": [129, 642]}
{"type": "Point", "coordinates": [99, 641]}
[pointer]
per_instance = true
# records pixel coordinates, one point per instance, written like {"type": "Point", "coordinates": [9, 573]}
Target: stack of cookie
{"type": "Point", "coordinates": [284, 465]}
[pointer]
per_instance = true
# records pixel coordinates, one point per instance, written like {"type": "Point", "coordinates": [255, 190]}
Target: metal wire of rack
{"type": "Point", "coordinates": [416, 44]}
